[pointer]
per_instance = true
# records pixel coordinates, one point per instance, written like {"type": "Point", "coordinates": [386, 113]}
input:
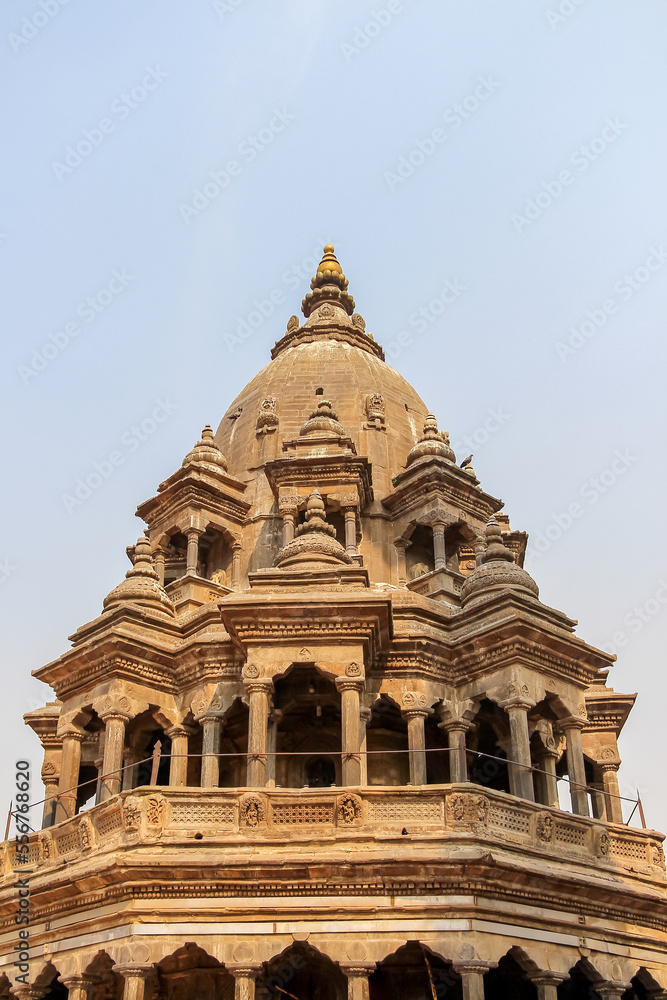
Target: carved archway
{"type": "Point", "coordinates": [191, 972]}
{"type": "Point", "coordinates": [302, 971]}
{"type": "Point", "coordinates": [414, 972]}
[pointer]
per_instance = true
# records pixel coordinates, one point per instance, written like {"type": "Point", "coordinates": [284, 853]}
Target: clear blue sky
{"type": "Point", "coordinates": [176, 163]}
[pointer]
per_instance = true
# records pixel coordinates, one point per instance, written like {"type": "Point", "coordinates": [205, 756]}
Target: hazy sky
{"type": "Point", "coordinates": [171, 165]}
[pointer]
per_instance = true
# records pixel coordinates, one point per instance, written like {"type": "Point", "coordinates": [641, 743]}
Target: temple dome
{"type": "Point", "coordinates": [336, 359]}
{"type": "Point", "coordinates": [498, 570]}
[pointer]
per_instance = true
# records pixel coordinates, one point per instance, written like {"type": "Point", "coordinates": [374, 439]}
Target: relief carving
{"type": "Point", "coordinates": [155, 810]}
{"type": "Point", "coordinates": [375, 409]}
{"type": "Point", "coordinates": [545, 828]}
{"type": "Point", "coordinates": [131, 814]}
{"type": "Point", "coordinates": [267, 418]}
{"type": "Point", "coordinates": [252, 810]}
{"type": "Point", "coordinates": [349, 808]}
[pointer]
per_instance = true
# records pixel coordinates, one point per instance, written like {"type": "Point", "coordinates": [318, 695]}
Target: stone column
{"type": "Point", "coordinates": [79, 987]}
{"type": "Point", "coordinates": [272, 741]}
{"type": "Point", "coordinates": [69, 774]}
{"type": "Point", "coordinates": [114, 744]}
{"type": "Point", "coordinates": [210, 762]}
{"type": "Point", "coordinates": [350, 530]}
{"type": "Point", "coordinates": [546, 984]}
{"type": "Point", "coordinates": [456, 730]}
{"type": "Point", "coordinates": [598, 803]}
{"type": "Point", "coordinates": [50, 779]}
{"type": "Point", "coordinates": [364, 718]}
{"type": "Point", "coordinates": [546, 782]}
{"type": "Point", "coordinates": [472, 978]}
{"type": "Point", "coordinates": [416, 743]}
{"type": "Point", "coordinates": [613, 804]}
{"type": "Point", "coordinates": [236, 566]}
{"type": "Point", "coordinates": [192, 535]}
{"type": "Point", "coordinates": [245, 977]}
{"type": "Point", "coordinates": [401, 546]}
{"type": "Point", "coordinates": [178, 765]}
{"type": "Point", "coordinates": [576, 769]}
{"type": "Point", "coordinates": [439, 552]}
{"type": "Point", "coordinates": [130, 758]}
{"type": "Point", "coordinates": [258, 718]}
{"type": "Point", "coordinates": [159, 557]}
{"type": "Point", "coordinates": [135, 977]}
{"type": "Point", "coordinates": [519, 763]}
{"type": "Point", "coordinates": [357, 980]}
{"type": "Point", "coordinates": [28, 992]}
{"type": "Point", "coordinates": [611, 991]}
{"type": "Point", "coordinates": [350, 689]}
{"type": "Point", "coordinates": [288, 512]}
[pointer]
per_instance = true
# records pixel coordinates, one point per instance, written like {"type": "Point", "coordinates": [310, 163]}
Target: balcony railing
{"type": "Point", "coordinates": [442, 813]}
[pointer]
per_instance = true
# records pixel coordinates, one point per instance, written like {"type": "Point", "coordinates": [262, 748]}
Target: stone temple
{"type": "Point", "coordinates": [324, 740]}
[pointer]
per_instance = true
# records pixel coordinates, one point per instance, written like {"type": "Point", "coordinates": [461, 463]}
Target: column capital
{"type": "Point", "coordinates": [80, 980]}
{"type": "Point", "coordinates": [517, 701]}
{"type": "Point", "coordinates": [609, 765]}
{"type": "Point", "coordinates": [77, 735]}
{"type": "Point", "coordinates": [573, 722]}
{"type": "Point", "coordinates": [402, 543]}
{"type": "Point", "coordinates": [194, 532]}
{"type": "Point", "coordinates": [610, 990]}
{"type": "Point", "coordinates": [547, 978]}
{"type": "Point", "coordinates": [456, 725]}
{"type": "Point", "coordinates": [115, 713]}
{"type": "Point", "coordinates": [416, 712]}
{"type": "Point", "coordinates": [349, 683]}
{"type": "Point", "coordinates": [358, 970]}
{"type": "Point", "coordinates": [246, 971]}
{"type": "Point", "coordinates": [130, 971]}
{"type": "Point", "coordinates": [259, 684]}
{"type": "Point", "coordinates": [177, 732]}
{"type": "Point", "coordinates": [471, 966]}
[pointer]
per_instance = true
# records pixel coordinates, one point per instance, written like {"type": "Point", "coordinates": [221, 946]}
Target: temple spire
{"type": "Point", "coordinates": [328, 285]}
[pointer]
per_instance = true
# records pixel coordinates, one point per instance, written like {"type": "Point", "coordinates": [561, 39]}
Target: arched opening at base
{"type": "Point", "coordinates": [508, 982]}
{"type": "Point", "coordinates": [302, 972]}
{"type": "Point", "coordinates": [414, 973]}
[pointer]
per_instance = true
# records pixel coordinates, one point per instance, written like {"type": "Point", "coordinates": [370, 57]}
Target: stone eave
{"type": "Point", "coordinates": [348, 471]}
{"type": "Point", "coordinates": [308, 334]}
{"type": "Point", "coordinates": [349, 617]}
{"type": "Point", "coordinates": [44, 723]}
{"type": "Point", "coordinates": [193, 491]}
{"type": "Point", "coordinates": [608, 709]}
{"type": "Point", "coordinates": [436, 477]}
{"type": "Point", "coordinates": [129, 619]}
{"type": "Point", "coordinates": [114, 655]}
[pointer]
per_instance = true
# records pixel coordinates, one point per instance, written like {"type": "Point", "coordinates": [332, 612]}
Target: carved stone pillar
{"type": "Point", "coordinates": [79, 987]}
{"type": "Point", "coordinates": [611, 991]}
{"type": "Point", "coordinates": [416, 743]}
{"type": "Point", "coordinates": [245, 977]}
{"type": "Point", "coordinates": [178, 766]}
{"type": "Point", "coordinates": [159, 558]}
{"type": "Point", "coordinates": [402, 571]}
{"type": "Point", "coordinates": [69, 774]}
{"type": "Point", "coordinates": [27, 992]}
{"type": "Point", "coordinates": [519, 764]}
{"type": "Point", "coordinates": [439, 552]}
{"type": "Point", "coordinates": [472, 978]}
{"type": "Point", "coordinates": [598, 803]}
{"type": "Point", "coordinates": [350, 530]}
{"type": "Point", "coordinates": [135, 977]}
{"type": "Point", "coordinates": [130, 758]}
{"type": "Point", "coordinates": [275, 717]}
{"type": "Point", "coordinates": [350, 688]}
{"type": "Point", "coordinates": [546, 782]}
{"type": "Point", "coordinates": [546, 984]}
{"type": "Point", "coordinates": [357, 980]}
{"type": "Point", "coordinates": [210, 762]}
{"type": "Point", "coordinates": [236, 566]}
{"type": "Point", "coordinates": [364, 718]}
{"type": "Point", "coordinates": [613, 804]}
{"type": "Point", "coordinates": [50, 779]}
{"type": "Point", "coordinates": [258, 719]}
{"type": "Point", "coordinates": [456, 730]}
{"type": "Point", "coordinates": [192, 535]}
{"type": "Point", "coordinates": [576, 769]}
{"type": "Point", "coordinates": [114, 744]}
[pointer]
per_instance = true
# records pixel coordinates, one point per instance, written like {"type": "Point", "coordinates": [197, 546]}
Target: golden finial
{"type": "Point", "coordinates": [329, 262]}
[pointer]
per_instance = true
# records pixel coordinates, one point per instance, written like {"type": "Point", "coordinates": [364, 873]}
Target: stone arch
{"type": "Point", "coordinates": [307, 716]}
{"type": "Point", "coordinates": [191, 972]}
{"type": "Point", "coordinates": [489, 739]}
{"type": "Point", "coordinates": [387, 730]}
{"type": "Point", "coordinates": [419, 553]}
{"type": "Point", "coordinates": [414, 971]}
{"type": "Point", "coordinates": [510, 979]}
{"type": "Point", "coordinates": [303, 971]}
{"type": "Point", "coordinates": [5, 987]}
{"type": "Point", "coordinates": [109, 983]}
{"type": "Point", "coordinates": [48, 981]}
{"type": "Point", "coordinates": [643, 986]}
{"type": "Point", "coordinates": [583, 977]}
{"type": "Point", "coordinates": [142, 734]}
